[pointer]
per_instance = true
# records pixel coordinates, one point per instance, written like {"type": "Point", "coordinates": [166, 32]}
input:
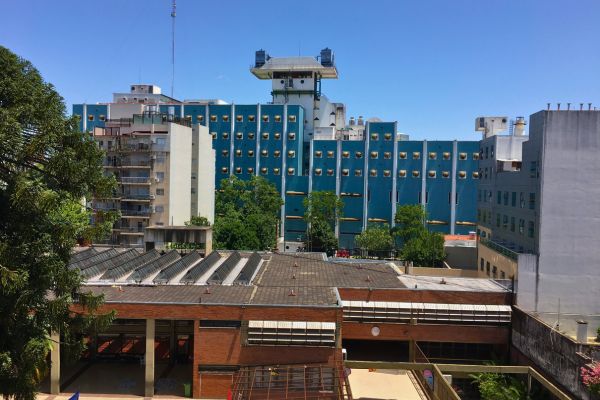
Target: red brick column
{"type": "Point", "coordinates": [196, 361]}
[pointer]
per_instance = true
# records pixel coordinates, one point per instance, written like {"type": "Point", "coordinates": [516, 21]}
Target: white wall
{"type": "Point", "coordinates": [179, 174]}
{"type": "Point", "coordinates": [203, 164]}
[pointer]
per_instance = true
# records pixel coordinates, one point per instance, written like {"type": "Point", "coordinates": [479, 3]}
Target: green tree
{"type": "Point", "coordinates": [410, 221]}
{"type": "Point", "coordinates": [198, 220]}
{"type": "Point", "coordinates": [376, 239]}
{"type": "Point", "coordinates": [247, 214]}
{"type": "Point", "coordinates": [500, 387]}
{"type": "Point", "coordinates": [424, 250]}
{"type": "Point", "coordinates": [322, 209]}
{"type": "Point", "coordinates": [46, 168]}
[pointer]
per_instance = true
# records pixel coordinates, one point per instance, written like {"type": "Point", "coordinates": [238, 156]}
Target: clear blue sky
{"type": "Point", "coordinates": [431, 65]}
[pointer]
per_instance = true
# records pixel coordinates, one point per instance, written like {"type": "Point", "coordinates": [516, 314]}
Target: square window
{"type": "Point", "coordinates": [188, 117]}
{"type": "Point", "coordinates": [318, 154]}
{"type": "Point", "coordinates": [250, 135]}
{"type": "Point", "coordinates": [431, 174]}
{"type": "Point", "coordinates": [250, 153]}
{"type": "Point", "coordinates": [277, 135]}
{"type": "Point", "coordinates": [462, 156]}
{"type": "Point", "coordinates": [387, 155]}
{"type": "Point", "coordinates": [265, 118]}
{"type": "Point", "coordinates": [251, 118]}
{"type": "Point", "coordinates": [90, 117]}
{"type": "Point", "coordinates": [276, 171]}
{"type": "Point", "coordinates": [475, 156]}
{"type": "Point", "coordinates": [238, 153]}
{"type": "Point", "coordinates": [462, 174]}
{"type": "Point", "coordinates": [225, 118]}
{"type": "Point", "coordinates": [387, 173]}
{"type": "Point", "coordinates": [330, 172]}
{"type": "Point", "coordinates": [225, 135]}
{"type": "Point", "coordinates": [224, 170]}
{"type": "Point", "coordinates": [160, 192]}
{"type": "Point", "coordinates": [416, 174]}
{"type": "Point", "coordinates": [318, 171]}
{"type": "Point", "coordinates": [225, 153]}
{"type": "Point", "coordinates": [277, 153]}
{"type": "Point", "coordinates": [213, 118]}
{"type": "Point", "coordinates": [292, 118]}
{"type": "Point", "coordinates": [446, 155]}
{"type": "Point", "coordinates": [264, 153]}
{"type": "Point", "coordinates": [250, 170]}
{"type": "Point", "coordinates": [345, 172]}
{"type": "Point", "coordinates": [214, 135]}
{"type": "Point", "coordinates": [373, 172]}
{"type": "Point", "coordinates": [387, 136]}
{"type": "Point", "coordinates": [291, 136]}
{"type": "Point", "coordinates": [102, 117]}
{"type": "Point", "coordinates": [265, 135]}
{"type": "Point", "coordinates": [238, 170]}
{"type": "Point", "coordinates": [239, 135]}
{"type": "Point", "coordinates": [475, 175]}
{"type": "Point", "coordinates": [290, 171]}
{"type": "Point", "coordinates": [416, 155]}
{"type": "Point", "coordinates": [432, 155]}
{"type": "Point", "coordinates": [402, 173]}
{"type": "Point", "coordinates": [330, 154]}
{"type": "Point", "coordinates": [358, 154]}
{"type": "Point", "coordinates": [402, 155]}
{"type": "Point", "coordinates": [445, 174]}
{"type": "Point", "coordinates": [263, 170]}
{"type": "Point", "coordinates": [374, 136]}
{"type": "Point", "coordinates": [374, 154]}
{"type": "Point", "coordinates": [278, 118]}
{"type": "Point", "coordinates": [200, 118]}
{"type": "Point", "coordinates": [358, 172]}
{"type": "Point", "coordinates": [345, 154]}
{"type": "Point", "coordinates": [239, 118]}
{"type": "Point", "coordinates": [291, 154]}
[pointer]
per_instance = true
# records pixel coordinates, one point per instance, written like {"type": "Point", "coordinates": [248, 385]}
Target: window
{"type": "Point", "coordinates": [91, 117]}
{"type": "Point", "coordinates": [432, 155]}
{"type": "Point", "coordinates": [265, 135]}
{"type": "Point", "coordinates": [238, 170]}
{"type": "Point", "coordinates": [330, 154]}
{"type": "Point", "coordinates": [345, 154]}
{"type": "Point", "coordinates": [292, 118]}
{"type": "Point", "coordinates": [264, 153]}
{"type": "Point", "coordinates": [402, 155]}
{"type": "Point", "coordinates": [160, 192]}
{"type": "Point", "coordinates": [291, 154]}
{"type": "Point", "coordinates": [102, 117]}
{"type": "Point", "coordinates": [225, 153]}
{"type": "Point", "coordinates": [265, 118]}
{"type": "Point", "coordinates": [225, 135]}
{"type": "Point", "coordinates": [159, 209]}
{"type": "Point", "coordinates": [318, 171]}
{"type": "Point", "coordinates": [387, 136]}
{"type": "Point", "coordinates": [502, 275]}
{"type": "Point", "coordinates": [512, 224]}
{"type": "Point", "coordinates": [505, 198]}
{"type": "Point", "coordinates": [494, 272]}
{"type": "Point", "coordinates": [159, 176]}
{"type": "Point", "coordinates": [402, 173]}
{"type": "Point", "coordinates": [345, 172]}
{"type": "Point", "coordinates": [481, 262]}
{"type": "Point", "coordinates": [239, 118]}
{"type": "Point", "coordinates": [291, 136]}
{"type": "Point", "coordinates": [532, 201]}
{"type": "Point", "coordinates": [251, 118]}
{"type": "Point", "coordinates": [330, 172]}
{"type": "Point", "coordinates": [416, 174]}
{"type": "Point", "coordinates": [530, 229]}
{"type": "Point", "coordinates": [263, 170]}
{"type": "Point", "coordinates": [238, 153]}
{"type": "Point", "coordinates": [499, 197]}
{"type": "Point", "coordinates": [521, 226]}
{"type": "Point", "coordinates": [225, 118]}
{"type": "Point", "coordinates": [250, 135]}
{"type": "Point", "coordinates": [498, 220]}
{"type": "Point", "coordinates": [374, 136]}
{"type": "Point", "coordinates": [505, 221]}
{"type": "Point", "coordinates": [239, 135]}
{"type": "Point", "coordinates": [224, 170]}
{"type": "Point", "coordinates": [475, 156]}
{"type": "Point", "coordinates": [475, 175]}
{"type": "Point", "coordinates": [487, 153]}
{"type": "Point", "coordinates": [521, 200]}
{"type": "Point", "coordinates": [431, 174]}
{"type": "Point", "coordinates": [358, 172]}
{"type": "Point", "coordinates": [462, 156]}
{"type": "Point", "coordinates": [374, 154]}
{"type": "Point", "coordinates": [200, 118]}
{"type": "Point", "coordinates": [318, 154]}
{"type": "Point", "coordinates": [290, 171]}
{"type": "Point", "coordinates": [513, 199]}
{"type": "Point", "coordinates": [276, 171]}
{"type": "Point", "coordinates": [387, 173]}
{"type": "Point", "coordinates": [277, 135]}
{"type": "Point", "coordinates": [213, 118]}
{"type": "Point", "coordinates": [533, 169]}
{"type": "Point", "coordinates": [462, 174]}
{"type": "Point", "coordinates": [492, 151]}
{"type": "Point", "coordinates": [250, 153]}
{"type": "Point", "coordinates": [446, 155]}
{"type": "Point", "coordinates": [278, 118]}
{"type": "Point", "coordinates": [445, 174]}
{"type": "Point", "coordinates": [387, 155]}
{"type": "Point", "coordinates": [416, 155]}
{"type": "Point", "coordinates": [487, 267]}
{"type": "Point", "coordinates": [373, 172]}
{"type": "Point", "coordinates": [277, 153]}
{"type": "Point", "coordinates": [358, 154]}
{"type": "Point", "coordinates": [188, 117]}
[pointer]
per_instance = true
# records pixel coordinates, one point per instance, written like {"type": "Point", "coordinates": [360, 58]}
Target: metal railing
{"type": "Point", "coordinates": [126, 196]}
{"type": "Point", "coordinates": [513, 255]}
{"type": "Point", "coordinates": [134, 179]}
{"type": "Point", "coordinates": [135, 213]}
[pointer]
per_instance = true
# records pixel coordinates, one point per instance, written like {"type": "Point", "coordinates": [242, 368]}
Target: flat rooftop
{"type": "Point", "coordinates": [237, 277]}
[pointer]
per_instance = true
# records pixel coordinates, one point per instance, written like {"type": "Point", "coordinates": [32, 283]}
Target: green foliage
{"type": "Point", "coordinates": [410, 220]}
{"type": "Point", "coordinates": [247, 214]}
{"type": "Point", "coordinates": [323, 206]}
{"type": "Point", "coordinates": [320, 237]}
{"type": "Point", "coordinates": [197, 220]}
{"type": "Point", "coordinates": [425, 250]}
{"type": "Point", "coordinates": [46, 168]}
{"type": "Point", "coordinates": [500, 387]}
{"type": "Point", "coordinates": [376, 238]}
{"type": "Point", "coordinates": [598, 334]}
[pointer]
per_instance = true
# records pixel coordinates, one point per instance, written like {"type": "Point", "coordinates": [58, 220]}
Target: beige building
{"type": "Point", "coordinates": [164, 167]}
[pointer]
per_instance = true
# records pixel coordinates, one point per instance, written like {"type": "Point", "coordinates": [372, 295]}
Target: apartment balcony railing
{"type": "Point", "coordinates": [133, 180]}
{"type": "Point", "coordinates": [513, 255]}
{"type": "Point", "coordinates": [128, 164]}
{"type": "Point", "coordinates": [130, 230]}
{"type": "Point", "coordinates": [126, 196]}
{"type": "Point", "coordinates": [135, 213]}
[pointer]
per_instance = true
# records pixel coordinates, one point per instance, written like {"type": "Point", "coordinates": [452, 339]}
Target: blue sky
{"type": "Point", "coordinates": [431, 65]}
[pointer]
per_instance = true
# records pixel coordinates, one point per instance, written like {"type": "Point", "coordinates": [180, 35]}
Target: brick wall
{"type": "Point", "coordinates": [426, 296]}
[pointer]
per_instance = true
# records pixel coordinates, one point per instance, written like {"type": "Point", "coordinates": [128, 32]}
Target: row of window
{"type": "Point", "coordinates": [263, 170]}
{"type": "Point", "coordinates": [508, 223]}
{"type": "Point", "coordinates": [240, 118]}
{"type": "Point", "coordinates": [401, 173]}
{"type": "Point", "coordinates": [387, 155]}
{"type": "Point", "coordinates": [263, 153]}
{"type": "Point", "coordinates": [265, 135]}
{"type": "Point", "coordinates": [488, 153]}
{"type": "Point", "coordinates": [507, 198]}
{"type": "Point", "coordinates": [101, 117]}
{"type": "Point", "coordinates": [494, 271]}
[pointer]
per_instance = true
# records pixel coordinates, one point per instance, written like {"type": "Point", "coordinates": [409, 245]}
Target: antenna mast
{"type": "Point", "coordinates": [173, 15]}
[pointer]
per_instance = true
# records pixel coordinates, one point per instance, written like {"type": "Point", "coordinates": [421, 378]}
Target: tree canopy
{"type": "Point", "coordinates": [322, 209]}
{"type": "Point", "coordinates": [410, 220]}
{"type": "Point", "coordinates": [46, 168]}
{"type": "Point", "coordinates": [247, 214]}
{"type": "Point", "coordinates": [419, 246]}
{"type": "Point", "coordinates": [376, 239]}
{"type": "Point", "coordinates": [198, 220]}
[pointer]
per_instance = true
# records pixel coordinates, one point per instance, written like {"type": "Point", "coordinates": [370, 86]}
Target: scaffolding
{"type": "Point", "coordinates": [291, 382]}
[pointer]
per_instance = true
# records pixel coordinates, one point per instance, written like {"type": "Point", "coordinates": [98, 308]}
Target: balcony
{"type": "Point", "coordinates": [145, 164]}
{"type": "Point", "coordinates": [125, 230]}
{"type": "Point", "coordinates": [134, 180]}
{"type": "Point", "coordinates": [125, 213]}
{"type": "Point", "coordinates": [136, 197]}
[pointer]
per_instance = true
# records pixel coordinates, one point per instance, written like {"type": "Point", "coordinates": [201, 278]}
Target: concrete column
{"type": "Point", "coordinates": [55, 364]}
{"type": "Point", "coordinates": [172, 343]}
{"type": "Point", "coordinates": [149, 375]}
{"type": "Point", "coordinates": [196, 361]}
